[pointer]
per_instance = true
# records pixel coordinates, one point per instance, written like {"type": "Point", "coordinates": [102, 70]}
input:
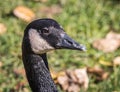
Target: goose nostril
{"type": "Point", "coordinates": [71, 43]}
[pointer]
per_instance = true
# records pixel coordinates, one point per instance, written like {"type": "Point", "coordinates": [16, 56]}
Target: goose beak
{"type": "Point", "coordinates": [68, 43]}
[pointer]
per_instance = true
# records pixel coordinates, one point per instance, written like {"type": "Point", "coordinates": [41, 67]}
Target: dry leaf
{"type": "Point", "coordinates": [53, 74]}
{"type": "Point", "coordinates": [24, 13]}
{"type": "Point", "coordinates": [50, 11]}
{"type": "Point", "coordinates": [98, 72]}
{"type": "Point", "coordinates": [74, 88]}
{"type": "Point", "coordinates": [1, 64]}
{"type": "Point", "coordinates": [116, 61]}
{"type": "Point", "coordinates": [25, 90]}
{"type": "Point", "coordinates": [113, 35]}
{"type": "Point", "coordinates": [106, 45]}
{"type": "Point", "coordinates": [81, 75]}
{"type": "Point", "coordinates": [43, 1]}
{"type": "Point", "coordinates": [20, 85]}
{"type": "Point", "coordinates": [73, 80]}
{"type": "Point", "coordinates": [105, 75]}
{"type": "Point", "coordinates": [2, 28]}
{"type": "Point", "coordinates": [72, 76]}
{"type": "Point", "coordinates": [19, 72]}
{"type": "Point", "coordinates": [63, 81]}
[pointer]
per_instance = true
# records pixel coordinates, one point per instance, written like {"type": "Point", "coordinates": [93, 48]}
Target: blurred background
{"type": "Point", "coordinates": [94, 23]}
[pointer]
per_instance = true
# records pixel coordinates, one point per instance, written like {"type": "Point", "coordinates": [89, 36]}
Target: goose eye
{"type": "Point", "coordinates": [45, 31]}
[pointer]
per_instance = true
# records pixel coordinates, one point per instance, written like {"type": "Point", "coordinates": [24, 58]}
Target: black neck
{"type": "Point", "coordinates": [38, 74]}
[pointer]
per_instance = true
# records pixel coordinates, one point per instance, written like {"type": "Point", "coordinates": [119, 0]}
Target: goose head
{"type": "Point", "coordinates": [45, 35]}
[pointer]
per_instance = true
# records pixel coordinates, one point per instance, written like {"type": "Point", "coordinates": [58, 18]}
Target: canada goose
{"type": "Point", "coordinates": [41, 36]}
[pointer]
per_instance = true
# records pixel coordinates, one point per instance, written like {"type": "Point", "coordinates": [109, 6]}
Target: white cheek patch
{"type": "Point", "coordinates": [38, 44]}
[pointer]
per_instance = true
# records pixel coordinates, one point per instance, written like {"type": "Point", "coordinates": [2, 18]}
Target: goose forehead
{"type": "Point", "coordinates": [55, 27]}
{"type": "Point", "coordinates": [38, 44]}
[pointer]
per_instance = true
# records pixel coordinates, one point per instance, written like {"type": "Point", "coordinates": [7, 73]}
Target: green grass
{"type": "Point", "coordinates": [83, 20]}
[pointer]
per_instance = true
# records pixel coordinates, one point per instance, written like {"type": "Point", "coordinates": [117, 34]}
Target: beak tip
{"type": "Point", "coordinates": [83, 48]}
